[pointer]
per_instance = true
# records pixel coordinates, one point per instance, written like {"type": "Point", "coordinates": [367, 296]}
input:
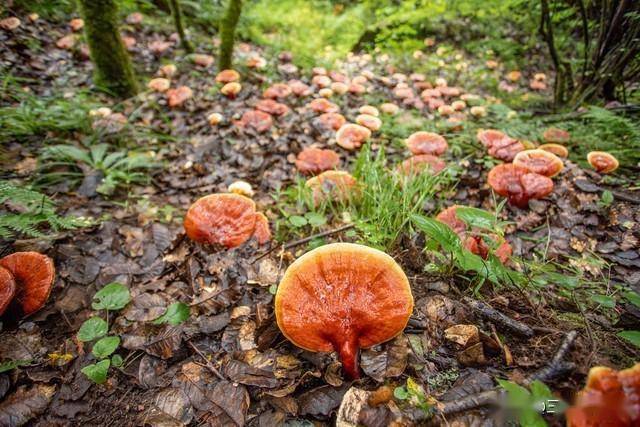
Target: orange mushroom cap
{"type": "Point", "coordinates": [352, 136]}
{"type": "Point", "coordinates": [369, 109]}
{"type": "Point", "coordinates": [257, 120]}
{"type": "Point", "coordinates": [555, 135]}
{"type": "Point", "coordinates": [506, 149]}
{"type": "Point", "coordinates": [10, 23]}
{"type": "Point", "coordinates": [539, 161]}
{"type": "Point", "coordinates": [557, 149]}
{"type": "Point", "coordinates": [421, 163]}
{"type": "Point", "coordinates": [332, 121]}
{"type": "Point", "coordinates": [272, 107]}
{"type": "Point", "coordinates": [435, 103]}
{"type": "Point", "coordinates": [227, 76]}
{"type": "Point", "coordinates": [34, 274]}
{"type": "Point", "coordinates": [343, 297]}
{"type": "Point", "coordinates": [312, 161]}
{"type": "Point", "coordinates": [518, 184]}
{"type": "Point", "coordinates": [262, 233]}
{"type": "Point", "coordinates": [221, 219]}
{"type": "Point", "coordinates": [321, 81]}
{"type": "Point", "coordinates": [7, 289]}
{"type": "Point", "coordinates": [76, 24]}
{"type": "Point", "coordinates": [427, 143]}
{"type": "Point", "coordinates": [602, 161]}
{"type": "Point", "coordinates": [610, 398]}
{"type": "Point", "coordinates": [159, 46]}
{"type": "Point", "coordinates": [322, 105]}
{"type": "Point", "coordinates": [278, 90]}
{"type": "Point", "coordinates": [159, 84]}
{"type": "Point", "coordinates": [389, 108]}
{"type": "Point", "coordinates": [178, 96]}
{"type": "Point", "coordinates": [338, 88]}
{"type": "Point", "coordinates": [230, 90]}
{"type": "Point", "coordinates": [337, 76]}
{"type": "Point", "coordinates": [331, 184]}
{"type": "Point", "coordinates": [488, 137]}
{"type": "Point", "coordinates": [357, 89]}
{"type": "Point", "coordinates": [299, 88]}
{"type": "Point", "coordinates": [372, 123]}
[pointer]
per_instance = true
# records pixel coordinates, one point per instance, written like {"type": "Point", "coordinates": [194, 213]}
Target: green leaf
{"type": "Point", "coordinates": [92, 328]}
{"type": "Point", "coordinates": [606, 198]}
{"type": "Point", "coordinates": [116, 360]}
{"type": "Point", "coordinates": [176, 313]}
{"type": "Point", "coordinates": [12, 364]}
{"type": "Point", "coordinates": [315, 219]}
{"type": "Point", "coordinates": [439, 232]}
{"type": "Point", "coordinates": [539, 390]}
{"type": "Point", "coordinates": [517, 396]}
{"type": "Point", "coordinates": [97, 372]}
{"type": "Point", "coordinates": [273, 289]}
{"type": "Point", "coordinates": [297, 221]}
{"type": "Point", "coordinates": [400, 393]}
{"type": "Point", "coordinates": [114, 296]}
{"type": "Point", "coordinates": [105, 346]}
{"type": "Point", "coordinates": [604, 300]}
{"type": "Point", "coordinates": [632, 336]}
{"type": "Point", "coordinates": [633, 298]}
{"type": "Point", "coordinates": [475, 217]}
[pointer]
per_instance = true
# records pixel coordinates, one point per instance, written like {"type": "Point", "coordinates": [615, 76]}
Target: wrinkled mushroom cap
{"type": "Point", "coordinates": [321, 81]}
{"type": "Point", "coordinates": [34, 274]}
{"type": "Point", "coordinates": [333, 121]}
{"type": "Point", "coordinates": [602, 161]}
{"type": "Point", "coordinates": [343, 297]}
{"type": "Point", "coordinates": [299, 88]}
{"type": "Point", "coordinates": [227, 76]}
{"type": "Point", "coordinates": [389, 108]}
{"type": "Point", "coordinates": [539, 161]}
{"type": "Point", "coordinates": [277, 90]}
{"type": "Point", "coordinates": [272, 107]}
{"type": "Point", "coordinates": [352, 136]}
{"type": "Point", "coordinates": [7, 289]}
{"type": "Point", "coordinates": [488, 137]}
{"type": "Point", "coordinates": [257, 120]}
{"type": "Point", "coordinates": [159, 84]}
{"type": "Point", "coordinates": [339, 88]}
{"type": "Point", "coordinates": [221, 219]}
{"type": "Point", "coordinates": [178, 96]}
{"type": "Point", "coordinates": [312, 161]}
{"type": "Point", "coordinates": [557, 149]}
{"type": "Point", "coordinates": [262, 233]}
{"type": "Point", "coordinates": [518, 185]}
{"type": "Point", "coordinates": [369, 109]}
{"type": "Point", "coordinates": [555, 135]}
{"type": "Point", "coordinates": [427, 143]}
{"type": "Point", "coordinates": [422, 163]}
{"type": "Point", "coordinates": [10, 23]}
{"type": "Point", "coordinates": [331, 184]}
{"type": "Point", "coordinates": [322, 105]}
{"type": "Point", "coordinates": [370, 122]}
{"type": "Point", "coordinates": [506, 149]}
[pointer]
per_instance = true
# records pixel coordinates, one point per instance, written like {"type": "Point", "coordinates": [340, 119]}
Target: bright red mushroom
{"type": "Point", "coordinates": [519, 185]}
{"type": "Point", "coordinates": [343, 297]}
{"type": "Point", "coordinates": [262, 233]}
{"type": "Point", "coordinates": [7, 289]}
{"type": "Point", "coordinates": [505, 149]}
{"type": "Point", "coordinates": [34, 274]}
{"type": "Point", "coordinates": [427, 143]}
{"type": "Point", "coordinates": [312, 161]}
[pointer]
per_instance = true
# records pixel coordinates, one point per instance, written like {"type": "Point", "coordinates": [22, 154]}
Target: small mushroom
{"type": "Point", "coordinates": [518, 184]}
{"type": "Point", "coordinates": [278, 90]}
{"type": "Point", "coordinates": [389, 108]}
{"type": "Point", "coordinates": [488, 137]}
{"type": "Point", "coordinates": [257, 120]}
{"type": "Point", "coordinates": [557, 149]}
{"type": "Point", "coordinates": [319, 71]}
{"type": "Point", "coordinates": [159, 84]}
{"type": "Point", "coordinates": [369, 109]}
{"type": "Point", "coordinates": [351, 136]}
{"type": "Point", "coordinates": [427, 143]}
{"type": "Point", "coordinates": [321, 81]}
{"type": "Point", "coordinates": [458, 105]}
{"type": "Point", "coordinates": [337, 76]}
{"type": "Point", "coordinates": [331, 121]}
{"type": "Point", "coordinates": [450, 92]}
{"type": "Point", "coordinates": [602, 161]}
{"type": "Point", "coordinates": [66, 42]}
{"type": "Point", "coordinates": [227, 76]}
{"type": "Point", "coordinates": [557, 136]}
{"type": "Point", "coordinates": [539, 161]}
{"type": "Point", "coordinates": [322, 105]}
{"type": "Point", "coordinates": [357, 89]}
{"type": "Point", "coordinates": [231, 90]}
{"type": "Point", "coordinates": [339, 88]}
{"type": "Point", "coordinates": [331, 185]}
{"type": "Point", "coordinates": [446, 110]}
{"type": "Point", "coordinates": [422, 163]}
{"type": "Point", "coordinates": [272, 107]}
{"type": "Point", "coordinates": [34, 274]}
{"type": "Point", "coordinates": [478, 111]}
{"type": "Point", "coordinates": [9, 24]}
{"type": "Point", "coordinates": [215, 119]}
{"type": "Point", "coordinates": [262, 233]}
{"type": "Point", "coordinates": [178, 96]}
{"type": "Point", "coordinates": [325, 92]}
{"type": "Point", "coordinates": [129, 42]}
{"type": "Point", "coordinates": [76, 24]}
{"type": "Point", "coordinates": [135, 18]}
{"type": "Point", "coordinates": [256, 62]}
{"type": "Point", "coordinates": [514, 76]}
{"type": "Point", "coordinates": [157, 47]}
{"type": "Point", "coordinates": [299, 88]}
{"type": "Point", "coordinates": [312, 161]}
{"type": "Point", "coordinates": [403, 92]}
{"type": "Point", "coordinates": [610, 398]}
{"type": "Point", "coordinates": [343, 297]}
{"type": "Point", "coordinates": [242, 188]}
{"type": "Point", "coordinates": [221, 219]}
{"type": "Point", "coordinates": [500, 145]}
{"type": "Point", "coordinates": [7, 289]}
{"type": "Point", "coordinates": [168, 70]}
{"type": "Point", "coordinates": [537, 85]}
{"type": "Point", "coordinates": [372, 123]}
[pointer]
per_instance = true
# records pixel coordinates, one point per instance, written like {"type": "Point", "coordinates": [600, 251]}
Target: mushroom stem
{"type": "Point", "coordinates": [349, 353]}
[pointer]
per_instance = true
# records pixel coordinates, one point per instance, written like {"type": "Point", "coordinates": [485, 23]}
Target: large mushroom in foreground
{"type": "Point", "coordinates": [343, 297]}
{"type": "Point", "coordinates": [7, 289]}
{"type": "Point", "coordinates": [539, 161]}
{"type": "Point", "coordinates": [312, 161]}
{"type": "Point", "coordinates": [518, 184]}
{"type": "Point", "coordinates": [33, 274]}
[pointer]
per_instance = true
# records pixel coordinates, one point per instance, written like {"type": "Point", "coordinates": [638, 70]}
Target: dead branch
{"type": "Point", "coordinates": [493, 315]}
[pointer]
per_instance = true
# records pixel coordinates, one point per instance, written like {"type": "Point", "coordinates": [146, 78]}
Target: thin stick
{"type": "Point", "coordinates": [208, 364]}
{"type": "Point", "coordinates": [488, 312]}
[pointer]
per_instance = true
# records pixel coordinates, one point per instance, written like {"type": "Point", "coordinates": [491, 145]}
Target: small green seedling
{"type": "Point", "coordinates": [414, 394]}
{"type": "Point", "coordinates": [529, 405]}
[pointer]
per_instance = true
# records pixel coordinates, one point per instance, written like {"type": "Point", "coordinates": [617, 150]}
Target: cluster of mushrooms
{"type": "Point", "coordinates": [26, 279]}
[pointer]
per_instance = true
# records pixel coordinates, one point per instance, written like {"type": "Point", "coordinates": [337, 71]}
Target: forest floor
{"type": "Point", "coordinates": [228, 364]}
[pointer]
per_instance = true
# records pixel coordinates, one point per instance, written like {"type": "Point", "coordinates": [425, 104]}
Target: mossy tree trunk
{"type": "Point", "coordinates": [176, 11]}
{"type": "Point", "coordinates": [113, 69]}
{"type": "Point", "coordinates": [227, 33]}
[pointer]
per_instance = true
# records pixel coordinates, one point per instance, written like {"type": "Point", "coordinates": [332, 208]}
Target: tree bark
{"type": "Point", "coordinates": [176, 11]}
{"type": "Point", "coordinates": [113, 69]}
{"type": "Point", "coordinates": [227, 33]}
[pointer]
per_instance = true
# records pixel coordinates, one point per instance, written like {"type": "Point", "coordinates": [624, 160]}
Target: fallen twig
{"type": "Point", "coordinates": [493, 315]}
{"type": "Point", "coordinates": [557, 366]}
{"type": "Point", "coordinates": [208, 364]}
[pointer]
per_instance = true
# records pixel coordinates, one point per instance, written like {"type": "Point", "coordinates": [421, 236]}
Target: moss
{"type": "Point", "coordinates": [227, 33]}
{"type": "Point", "coordinates": [176, 11]}
{"type": "Point", "coordinates": [113, 69]}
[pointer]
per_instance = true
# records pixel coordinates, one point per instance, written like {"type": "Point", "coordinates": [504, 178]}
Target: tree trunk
{"type": "Point", "coordinates": [163, 5]}
{"type": "Point", "coordinates": [113, 69]}
{"type": "Point", "coordinates": [227, 33]}
{"type": "Point", "coordinates": [176, 11]}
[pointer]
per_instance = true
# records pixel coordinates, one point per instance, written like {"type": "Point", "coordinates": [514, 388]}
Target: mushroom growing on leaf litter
{"type": "Point", "coordinates": [272, 107]}
{"type": "Point", "coordinates": [257, 120]}
{"type": "Point", "coordinates": [352, 136]}
{"type": "Point", "coordinates": [372, 123]}
{"type": "Point", "coordinates": [33, 274]}
{"type": "Point", "coordinates": [231, 90]}
{"type": "Point", "coordinates": [539, 161]}
{"type": "Point", "coordinates": [602, 161]}
{"type": "Point", "coordinates": [557, 136]}
{"type": "Point", "coordinates": [518, 184]}
{"type": "Point", "coordinates": [221, 219]}
{"type": "Point", "coordinates": [278, 90]}
{"type": "Point", "coordinates": [262, 233]}
{"type": "Point", "coordinates": [505, 149]}
{"type": "Point", "coordinates": [322, 105]}
{"type": "Point", "coordinates": [331, 121]}
{"type": "Point", "coordinates": [610, 398]}
{"type": "Point", "coordinates": [331, 184]}
{"type": "Point", "coordinates": [557, 149]}
{"type": "Point", "coordinates": [227, 76]}
{"type": "Point", "coordinates": [427, 143]}
{"type": "Point", "coordinates": [178, 96]}
{"type": "Point", "coordinates": [422, 163]}
{"type": "Point", "coordinates": [312, 161]}
{"type": "Point", "coordinates": [7, 289]}
{"type": "Point", "coordinates": [343, 297]}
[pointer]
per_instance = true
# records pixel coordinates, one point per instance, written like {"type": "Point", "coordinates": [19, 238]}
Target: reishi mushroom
{"type": "Point", "coordinates": [332, 184]}
{"type": "Point", "coordinates": [257, 120]}
{"type": "Point", "coordinates": [506, 149]}
{"type": "Point", "coordinates": [333, 121]}
{"type": "Point", "coordinates": [602, 161]}
{"type": "Point", "coordinates": [421, 163]}
{"type": "Point", "coordinates": [322, 105]}
{"type": "Point", "coordinates": [159, 84]}
{"type": "Point", "coordinates": [610, 398]}
{"type": "Point", "coordinates": [343, 297]}
{"type": "Point", "coordinates": [34, 274]}
{"type": "Point", "coordinates": [389, 108]}
{"type": "Point", "coordinates": [352, 136]}
{"type": "Point", "coordinates": [272, 107]}
{"type": "Point", "coordinates": [241, 187]}
{"type": "Point", "coordinates": [518, 184]}
{"type": "Point", "coordinates": [556, 135]}
{"type": "Point", "coordinates": [369, 109]}
{"type": "Point", "coordinates": [227, 76]}
{"type": "Point", "coordinates": [202, 60]}
{"type": "Point", "coordinates": [224, 219]}
{"type": "Point", "coordinates": [312, 161]}
{"type": "Point", "coordinates": [372, 123]}
{"type": "Point", "coordinates": [539, 161]}
{"type": "Point", "coordinates": [178, 96]}
{"type": "Point", "coordinates": [427, 143]}
{"type": "Point", "coordinates": [557, 149]}
{"type": "Point", "coordinates": [278, 90]}
{"type": "Point", "coordinates": [231, 90]}
{"type": "Point", "coordinates": [7, 289]}
{"type": "Point", "coordinates": [9, 24]}
{"type": "Point", "coordinates": [262, 233]}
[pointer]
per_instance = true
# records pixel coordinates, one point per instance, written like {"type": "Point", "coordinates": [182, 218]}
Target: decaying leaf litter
{"type": "Point", "coordinates": [228, 363]}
